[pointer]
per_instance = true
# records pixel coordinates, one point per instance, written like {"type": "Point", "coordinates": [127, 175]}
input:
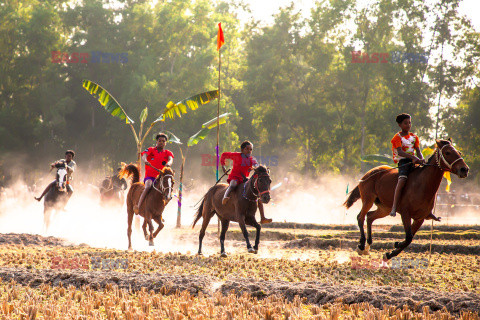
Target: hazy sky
{"type": "Point", "coordinates": [264, 9]}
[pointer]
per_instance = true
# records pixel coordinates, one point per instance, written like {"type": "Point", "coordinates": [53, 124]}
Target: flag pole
{"type": "Point", "coordinates": [218, 113]}
{"type": "Point", "coordinates": [220, 42]}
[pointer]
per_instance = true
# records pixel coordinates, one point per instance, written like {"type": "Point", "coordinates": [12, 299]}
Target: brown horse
{"type": "Point", "coordinates": [240, 208]}
{"type": "Point", "coordinates": [154, 203]}
{"type": "Point", "coordinates": [418, 197]}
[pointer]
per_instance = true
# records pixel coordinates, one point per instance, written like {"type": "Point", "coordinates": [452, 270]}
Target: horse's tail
{"type": "Point", "coordinates": [352, 197]}
{"type": "Point", "coordinates": [130, 170]}
{"type": "Point", "coordinates": [199, 213]}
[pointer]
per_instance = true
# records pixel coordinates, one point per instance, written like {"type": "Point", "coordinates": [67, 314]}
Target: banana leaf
{"type": "Point", "coordinates": [144, 115]}
{"type": "Point", "coordinates": [106, 100]}
{"type": "Point", "coordinates": [427, 152]}
{"type": "Point", "coordinates": [213, 123]}
{"type": "Point", "coordinates": [380, 158]}
{"type": "Point", "coordinates": [173, 138]}
{"type": "Point", "coordinates": [192, 102]}
{"type": "Point", "coordinates": [206, 127]}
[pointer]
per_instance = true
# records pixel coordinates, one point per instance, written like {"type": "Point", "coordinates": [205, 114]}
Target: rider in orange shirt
{"type": "Point", "coordinates": [404, 146]}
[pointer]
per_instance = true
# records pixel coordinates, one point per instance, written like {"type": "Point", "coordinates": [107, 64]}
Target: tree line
{"type": "Point", "coordinates": [305, 90]}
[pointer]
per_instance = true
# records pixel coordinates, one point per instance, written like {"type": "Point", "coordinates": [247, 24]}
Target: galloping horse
{"type": "Point", "coordinates": [111, 190]}
{"type": "Point", "coordinates": [57, 197]}
{"type": "Point", "coordinates": [418, 197]}
{"type": "Point", "coordinates": [154, 203]}
{"type": "Point", "coordinates": [241, 208]}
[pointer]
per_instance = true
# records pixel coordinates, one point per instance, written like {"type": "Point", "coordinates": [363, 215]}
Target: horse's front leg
{"type": "Point", "coordinates": [241, 223]}
{"type": "Point", "coordinates": [158, 219]}
{"type": "Point", "coordinates": [258, 227]}
{"type": "Point", "coordinates": [407, 224]}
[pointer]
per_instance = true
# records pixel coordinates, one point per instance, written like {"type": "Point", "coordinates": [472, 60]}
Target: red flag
{"type": "Point", "coordinates": [220, 39]}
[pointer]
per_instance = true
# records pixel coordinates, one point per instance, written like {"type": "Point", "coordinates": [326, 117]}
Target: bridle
{"type": "Point", "coordinates": [162, 187]}
{"type": "Point", "coordinates": [439, 158]}
{"type": "Point", "coordinates": [259, 193]}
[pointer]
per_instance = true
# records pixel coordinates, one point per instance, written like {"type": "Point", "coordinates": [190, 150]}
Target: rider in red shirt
{"type": "Point", "coordinates": [155, 158]}
{"type": "Point", "coordinates": [242, 164]}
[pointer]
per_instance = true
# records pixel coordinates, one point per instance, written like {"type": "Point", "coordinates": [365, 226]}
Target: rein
{"type": "Point", "coordinates": [256, 195]}
{"type": "Point", "coordinates": [438, 159]}
{"type": "Point", "coordinates": [162, 191]}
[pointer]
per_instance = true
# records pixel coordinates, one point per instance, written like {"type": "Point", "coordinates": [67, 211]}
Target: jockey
{"type": "Point", "coordinates": [113, 182]}
{"type": "Point", "coordinates": [70, 165]}
{"type": "Point", "coordinates": [155, 158]}
{"type": "Point", "coordinates": [242, 163]}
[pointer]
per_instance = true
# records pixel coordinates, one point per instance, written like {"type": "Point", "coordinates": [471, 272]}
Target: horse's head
{"type": "Point", "coordinates": [61, 178]}
{"type": "Point", "coordinates": [165, 182]}
{"type": "Point", "coordinates": [449, 159]}
{"type": "Point", "coordinates": [262, 182]}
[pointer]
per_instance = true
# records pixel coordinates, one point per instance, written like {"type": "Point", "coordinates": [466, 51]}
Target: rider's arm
{"type": "Point", "coordinates": [402, 153]}
{"type": "Point", "coordinates": [419, 153]}
{"type": "Point", "coordinates": [255, 162]}
{"type": "Point", "coordinates": [144, 158]}
{"type": "Point", "coordinates": [169, 162]}
{"type": "Point", "coordinates": [70, 167]}
{"type": "Point", "coordinates": [224, 157]}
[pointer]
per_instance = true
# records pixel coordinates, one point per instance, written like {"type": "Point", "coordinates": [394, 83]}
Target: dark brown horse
{"type": "Point", "coordinates": [240, 208]}
{"type": "Point", "coordinates": [112, 190]}
{"type": "Point", "coordinates": [154, 203]}
{"type": "Point", "coordinates": [418, 197]}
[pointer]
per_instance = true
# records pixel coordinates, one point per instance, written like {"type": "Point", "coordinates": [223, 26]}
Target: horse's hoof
{"type": "Point", "coordinates": [367, 247]}
{"type": "Point", "coordinates": [199, 254]}
{"type": "Point", "coordinates": [147, 237]}
{"type": "Point", "coordinates": [223, 255]}
{"type": "Point", "coordinates": [255, 251]}
{"type": "Point", "coordinates": [396, 244]}
{"type": "Point", "coordinates": [150, 243]}
{"type": "Point", "coordinates": [130, 249]}
{"type": "Point", "coordinates": [385, 257]}
{"type": "Point", "coordinates": [362, 252]}
{"type": "Point", "coordinates": [251, 250]}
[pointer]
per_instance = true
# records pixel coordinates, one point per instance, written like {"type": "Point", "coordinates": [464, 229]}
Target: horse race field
{"type": "Point", "coordinates": [302, 271]}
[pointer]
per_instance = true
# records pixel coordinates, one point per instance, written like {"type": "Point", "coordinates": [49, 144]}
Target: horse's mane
{"type": "Point", "coordinates": [443, 142]}
{"type": "Point", "coordinates": [128, 171]}
{"type": "Point", "coordinates": [261, 169]}
{"type": "Point", "coordinates": [166, 170]}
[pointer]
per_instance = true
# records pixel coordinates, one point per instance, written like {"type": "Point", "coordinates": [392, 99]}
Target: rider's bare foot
{"type": "Point", "coordinates": [135, 209]}
{"type": "Point", "coordinates": [225, 200]}
{"type": "Point", "coordinates": [265, 220]}
{"type": "Point", "coordinates": [38, 198]}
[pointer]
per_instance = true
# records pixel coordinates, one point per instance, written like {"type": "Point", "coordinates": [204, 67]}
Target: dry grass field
{"type": "Point", "coordinates": [300, 272]}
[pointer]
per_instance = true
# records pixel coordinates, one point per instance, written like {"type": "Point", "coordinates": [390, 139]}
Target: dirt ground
{"type": "Point", "coordinates": [314, 292]}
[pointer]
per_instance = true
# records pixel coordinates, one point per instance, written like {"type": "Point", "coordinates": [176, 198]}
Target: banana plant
{"type": "Point", "coordinates": [111, 105]}
{"type": "Point", "coordinates": [378, 159]}
{"type": "Point", "coordinates": [193, 140]}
